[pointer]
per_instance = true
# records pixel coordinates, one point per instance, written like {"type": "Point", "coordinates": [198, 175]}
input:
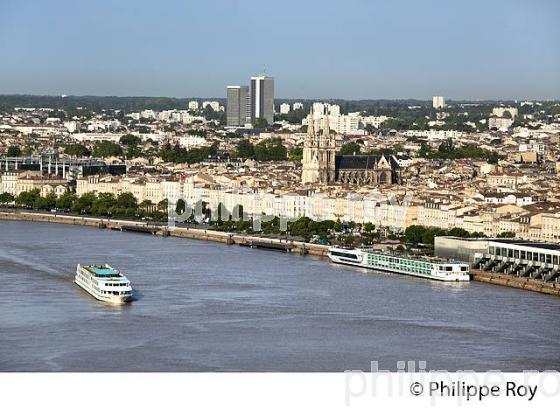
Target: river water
{"type": "Point", "coordinates": [203, 306]}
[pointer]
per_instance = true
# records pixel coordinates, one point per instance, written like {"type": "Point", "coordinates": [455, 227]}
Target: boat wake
{"type": "Point", "coordinates": [14, 262]}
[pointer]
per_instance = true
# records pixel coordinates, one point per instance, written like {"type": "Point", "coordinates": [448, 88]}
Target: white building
{"type": "Point", "coordinates": [532, 146]}
{"type": "Point", "coordinates": [193, 105]}
{"type": "Point", "coordinates": [345, 124]}
{"type": "Point", "coordinates": [373, 121]}
{"type": "Point", "coordinates": [500, 111]}
{"type": "Point", "coordinates": [438, 101]}
{"type": "Point", "coordinates": [192, 141]}
{"type": "Point", "coordinates": [148, 114]}
{"type": "Point", "coordinates": [215, 105]}
{"type": "Point", "coordinates": [500, 123]}
{"type": "Point", "coordinates": [71, 126]}
{"type": "Point", "coordinates": [297, 106]}
{"type": "Point", "coordinates": [284, 108]}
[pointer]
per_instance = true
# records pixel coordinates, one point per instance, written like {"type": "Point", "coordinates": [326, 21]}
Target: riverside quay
{"type": "Point", "coordinates": [536, 260]}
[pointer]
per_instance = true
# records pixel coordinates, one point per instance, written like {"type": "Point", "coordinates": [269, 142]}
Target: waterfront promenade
{"type": "Point", "coordinates": [252, 241]}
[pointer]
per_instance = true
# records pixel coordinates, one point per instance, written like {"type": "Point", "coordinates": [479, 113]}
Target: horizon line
{"type": "Point", "coordinates": [280, 98]}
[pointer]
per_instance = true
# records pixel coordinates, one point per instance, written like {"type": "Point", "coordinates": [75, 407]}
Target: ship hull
{"type": "Point", "coordinates": [113, 300]}
{"type": "Point", "coordinates": [358, 260]}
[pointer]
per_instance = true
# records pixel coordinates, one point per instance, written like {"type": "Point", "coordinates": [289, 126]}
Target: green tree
{"type": "Point", "coordinates": [6, 198]}
{"type": "Point", "coordinates": [350, 148]}
{"type": "Point", "coordinates": [295, 154]}
{"type": "Point", "coordinates": [425, 151]}
{"type": "Point", "coordinates": [46, 202]}
{"type": "Point", "coordinates": [14, 151]}
{"type": "Point", "coordinates": [77, 150]}
{"type": "Point", "coordinates": [293, 117]}
{"type": "Point", "coordinates": [145, 204]}
{"type": "Point", "coordinates": [163, 205]}
{"type": "Point", "coordinates": [245, 149]}
{"type": "Point", "coordinates": [66, 200]}
{"type": "Point", "coordinates": [271, 149]}
{"type": "Point", "coordinates": [103, 204]}
{"type": "Point", "coordinates": [446, 149]}
{"type": "Point", "coordinates": [126, 200]}
{"type": "Point", "coordinates": [28, 198]}
{"type": "Point", "coordinates": [180, 207]}
{"type": "Point", "coordinates": [129, 139]}
{"type": "Point", "coordinates": [260, 123]}
{"type": "Point", "coordinates": [105, 149]}
{"type": "Point", "coordinates": [84, 203]}
{"type": "Point", "coordinates": [506, 235]}
{"type": "Point", "coordinates": [28, 149]}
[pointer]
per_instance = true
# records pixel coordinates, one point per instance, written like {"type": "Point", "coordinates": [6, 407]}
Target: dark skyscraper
{"type": "Point", "coordinates": [238, 111]}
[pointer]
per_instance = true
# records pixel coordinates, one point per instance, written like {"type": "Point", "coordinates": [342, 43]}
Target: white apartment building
{"type": "Point", "coordinates": [500, 123]}
{"type": "Point", "coordinates": [319, 110]}
{"type": "Point", "coordinates": [297, 106]}
{"type": "Point", "coordinates": [148, 114]}
{"type": "Point", "coordinates": [215, 105]}
{"type": "Point", "coordinates": [499, 198]}
{"type": "Point", "coordinates": [193, 105]}
{"type": "Point", "coordinates": [532, 146]}
{"type": "Point", "coordinates": [438, 102]}
{"type": "Point", "coordinates": [345, 124]}
{"type": "Point", "coordinates": [71, 126]}
{"type": "Point", "coordinates": [192, 141]}
{"type": "Point", "coordinates": [500, 111]}
{"type": "Point", "coordinates": [373, 120]}
{"type": "Point", "coordinates": [284, 108]}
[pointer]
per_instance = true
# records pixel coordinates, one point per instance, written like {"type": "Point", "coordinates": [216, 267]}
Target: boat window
{"type": "Point", "coordinates": [344, 255]}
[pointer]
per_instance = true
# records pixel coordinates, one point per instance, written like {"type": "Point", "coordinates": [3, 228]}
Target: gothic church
{"type": "Point", "coordinates": [322, 165]}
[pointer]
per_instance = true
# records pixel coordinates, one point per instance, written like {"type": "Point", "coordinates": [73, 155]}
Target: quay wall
{"type": "Point", "coordinates": [190, 233]}
{"type": "Point", "coordinates": [259, 242]}
{"type": "Point", "coordinates": [534, 285]}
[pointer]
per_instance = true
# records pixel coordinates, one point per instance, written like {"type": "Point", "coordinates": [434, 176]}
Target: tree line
{"type": "Point", "coordinates": [90, 203]}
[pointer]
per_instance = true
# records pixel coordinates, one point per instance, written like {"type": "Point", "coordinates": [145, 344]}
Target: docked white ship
{"type": "Point", "coordinates": [104, 283]}
{"type": "Point", "coordinates": [423, 267]}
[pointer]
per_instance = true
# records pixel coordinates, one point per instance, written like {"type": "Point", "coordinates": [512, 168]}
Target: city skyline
{"type": "Point", "coordinates": [382, 54]}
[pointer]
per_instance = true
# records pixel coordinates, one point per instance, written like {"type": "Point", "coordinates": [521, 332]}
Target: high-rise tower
{"type": "Point", "coordinates": [262, 98]}
{"type": "Point", "coordinates": [238, 111]}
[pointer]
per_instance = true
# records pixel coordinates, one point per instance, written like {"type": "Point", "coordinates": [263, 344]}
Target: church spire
{"type": "Point", "coordinates": [310, 124]}
{"type": "Point", "coordinates": [326, 128]}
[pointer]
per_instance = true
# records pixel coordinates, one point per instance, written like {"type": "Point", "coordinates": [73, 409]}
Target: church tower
{"type": "Point", "coordinates": [327, 153]}
{"type": "Point", "coordinates": [319, 152]}
{"type": "Point", "coordinates": [310, 173]}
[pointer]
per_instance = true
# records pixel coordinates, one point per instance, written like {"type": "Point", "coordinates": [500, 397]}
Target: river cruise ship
{"type": "Point", "coordinates": [423, 267]}
{"type": "Point", "coordinates": [104, 283]}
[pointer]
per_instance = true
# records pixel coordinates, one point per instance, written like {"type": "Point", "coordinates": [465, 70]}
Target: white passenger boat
{"type": "Point", "coordinates": [104, 283]}
{"type": "Point", "coordinates": [424, 267]}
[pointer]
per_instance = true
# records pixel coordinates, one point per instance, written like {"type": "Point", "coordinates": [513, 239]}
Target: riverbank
{"type": "Point", "coordinates": [251, 241]}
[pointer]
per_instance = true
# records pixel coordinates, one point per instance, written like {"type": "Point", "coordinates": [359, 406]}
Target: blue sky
{"type": "Point", "coordinates": [350, 49]}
